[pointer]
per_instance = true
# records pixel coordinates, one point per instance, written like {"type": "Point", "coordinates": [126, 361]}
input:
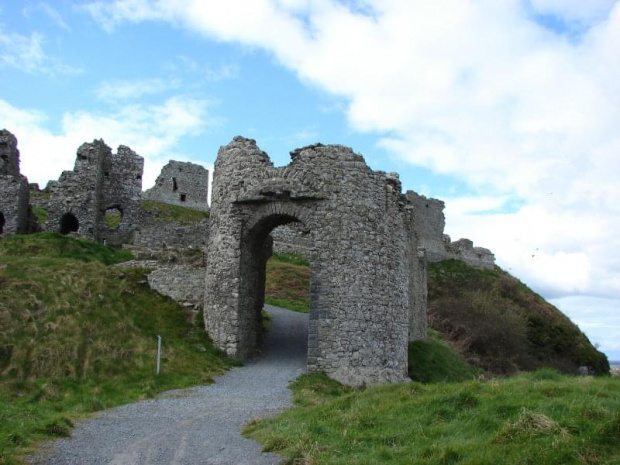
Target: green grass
{"type": "Point", "coordinates": [433, 361]}
{"type": "Point", "coordinates": [288, 282]}
{"type": "Point", "coordinates": [538, 418]}
{"type": "Point", "coordinates": [77, 336]}
{"type": "Point", "coordinates": [40, 214]}
{"type": "Point", "coordinates": [173, 213]}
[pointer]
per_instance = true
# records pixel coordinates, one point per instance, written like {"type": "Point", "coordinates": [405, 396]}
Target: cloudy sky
{"type": "Point", "coordinates": [507, 110]}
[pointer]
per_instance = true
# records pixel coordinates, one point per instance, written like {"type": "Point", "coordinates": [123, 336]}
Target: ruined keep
{"type": "Point", "coordinates": [364, 261]}
{"type": "Point", "coordinates": [181, 183]}
{"type": "Point", "coordinates": [100, 198]}
{"type": "Point", "coordinates": [14, 193]}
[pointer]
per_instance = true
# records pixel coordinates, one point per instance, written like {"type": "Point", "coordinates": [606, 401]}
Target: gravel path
{"type": "Point", "coordinates": [199, 425]}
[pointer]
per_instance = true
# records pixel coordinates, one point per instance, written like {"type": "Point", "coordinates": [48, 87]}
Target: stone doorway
{"type": "Point", "coordinates": [69, 223]}
{"type": "Point", "coordinates": [1, 222]}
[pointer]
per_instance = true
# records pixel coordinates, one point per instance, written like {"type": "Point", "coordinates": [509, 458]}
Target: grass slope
{"type": "Point", "coordinates": [541, 417]}
{"type": "Point", "coordinates": [287, 282]}
{"type": "Point", "coordinates": [77, 336]}
{"type": "Point", "coordinates": [502, 325]}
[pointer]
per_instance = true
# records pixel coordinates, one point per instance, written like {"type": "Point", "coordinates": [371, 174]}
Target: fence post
{"type": "Point", "coordinates": [158, 369]}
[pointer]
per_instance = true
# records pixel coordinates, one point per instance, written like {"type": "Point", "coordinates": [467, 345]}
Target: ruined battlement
{"type": "Point", "coordinates": [430, 223]}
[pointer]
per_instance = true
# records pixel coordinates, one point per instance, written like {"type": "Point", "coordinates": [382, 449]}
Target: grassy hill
{"type": "Point", "coordinates": [496, 322]}
{"type": "Point", "coordinates": [77, 336]}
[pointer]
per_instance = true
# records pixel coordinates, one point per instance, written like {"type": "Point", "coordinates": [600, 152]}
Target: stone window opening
{"type": "Point", "coordinates": [112, 217]}
{"type": "Point", "coordinates": [183, 197]}
{"type": "Point", "coordinates": [69, 223]}
{"type": "Point", "coordinates": [175, 187]}
{"type": "Point", "coordinates": [1, 222]}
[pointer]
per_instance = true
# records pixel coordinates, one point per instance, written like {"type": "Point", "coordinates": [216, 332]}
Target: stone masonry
{"type": "Point", "coordinates": [14, 192]}
{"type": "Point", "coordinates": [181, 183]}
{"type": "Point", "coordinates": [430, 223]}
{"type": "Point", "coordinates": [362, 285]}
{"type": "Point", "coordinates": [102, 185]}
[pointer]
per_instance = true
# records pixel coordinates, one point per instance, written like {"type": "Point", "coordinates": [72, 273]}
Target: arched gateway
{"type": "Point", "coordinates": [366, 291]}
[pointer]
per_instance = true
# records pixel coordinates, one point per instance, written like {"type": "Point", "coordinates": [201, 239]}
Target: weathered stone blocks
{"type": "Point", "coordinates": [362, 282]}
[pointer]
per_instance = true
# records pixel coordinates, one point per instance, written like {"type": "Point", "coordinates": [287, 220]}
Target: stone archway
{"type": "Point", "coordinates": [362, 267]}
{"type": "Point", "coordinates": [69, 223]}
{"type": "Point", "coordinates": [2, 220]}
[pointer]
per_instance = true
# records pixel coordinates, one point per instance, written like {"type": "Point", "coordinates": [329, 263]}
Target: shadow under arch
{"type": "Point", "coordinates": [256, 249]}
{"type": "Point", "coordinates": [2, 220]}
{"type": "Point", "coordinates": [69, 223]}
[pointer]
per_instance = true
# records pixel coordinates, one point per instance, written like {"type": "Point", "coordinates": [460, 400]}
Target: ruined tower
{"type": "Point", "coordinates": [100, 198]}
{"type": "Point", "coordinates": [181, 183]}
{"type": "Point", "coordinates": [363, 280]}
{"type": "Point", "coordinates": [14, 194]}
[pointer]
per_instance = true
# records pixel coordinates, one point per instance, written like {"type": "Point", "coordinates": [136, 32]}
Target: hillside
{"type": "Point", "coordinates": [77, 336]}
{"type": "Point", "coordinates": [496, 322]}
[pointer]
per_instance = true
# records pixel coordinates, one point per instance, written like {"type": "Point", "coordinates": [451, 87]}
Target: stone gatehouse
{"type": "Point", "coordinates": [366, 273]}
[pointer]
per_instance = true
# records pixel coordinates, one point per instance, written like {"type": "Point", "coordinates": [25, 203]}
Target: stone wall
{"type": "Point", "coordinates": [183, 184]}
{"type": "Point", "coordinates": [100, 184]}
{"type": "Point", "coordinates": [14, 193]}
{"type": "Point", "coordinates": [429, 225]}
{"type": "Point", "coordinates": [292, 238]}
{"type": "Point", "coordinates": [362, 284]}
{"type": "Point", "coordinates": [153, 232]}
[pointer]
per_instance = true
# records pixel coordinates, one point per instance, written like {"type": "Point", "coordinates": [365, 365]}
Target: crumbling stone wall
{"type": "Point", "coordinates": [181, 183]}
{"type": "Point", "coordinates": [361, 282]}
{"type": "Point", "coordinates": [429, 225]}
{"type": "Point", "coordinates": [101, 184]}
{"type": "Point", "coordinates": [14, 193]}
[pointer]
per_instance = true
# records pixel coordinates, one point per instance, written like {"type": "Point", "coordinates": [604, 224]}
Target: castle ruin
{"type": "Point", "coordinates": [14, 193]}
{"type": "Point", "coordinates": [100, 198]}
{"type": "Point", "coordinates": [363, 258]}
{"type": "Point", "coordinates": [367, 243]}
{"type": "Point", "coordinates": [181, 183]}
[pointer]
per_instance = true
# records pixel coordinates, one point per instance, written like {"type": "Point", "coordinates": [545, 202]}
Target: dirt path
{"type": "Point", "coordinates": [200, 425]}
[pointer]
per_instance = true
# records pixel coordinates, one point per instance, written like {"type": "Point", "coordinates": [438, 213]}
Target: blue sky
{"type": "Point", "coordinates": [508, 111]}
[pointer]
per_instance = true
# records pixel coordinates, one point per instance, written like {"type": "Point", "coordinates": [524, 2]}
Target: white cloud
{"type": "Point", "coordinates": [25, 53]}
{"type": "Point", "coordinates": [476, 90]}
{"type": "Point", "coordinates": [151, 130]}
{"type": "Point", "coordinates": [118, 90]}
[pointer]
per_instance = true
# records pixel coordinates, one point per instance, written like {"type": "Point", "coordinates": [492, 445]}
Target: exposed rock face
{"type": "Point", "coordinates": [183, 184]}
{"type": "Point", "coordinates": [100, 198]}
{"type": "Point", "coordinates": [430, 223]}
{"type": "Point", "coordinates": [362, 286]}
{"type": "Point", "coordinates": [14, 193]}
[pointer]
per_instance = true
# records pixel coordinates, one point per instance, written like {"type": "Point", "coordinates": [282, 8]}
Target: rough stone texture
{"type": "Point", "coordinates": [429, 225]}
{"type": "Point", "coordinates": [361, 283]}
{"type": "Point", "coordinates": [292, 238]}
{"type": "Point", "coordinates": [152, 232]}
{"type": "Point", "coordinates": [101, 182]}
{"type": "Point", "coordinates": [14, 193]}
{"type": "Point", "coordinates": [182, 283]}
{"type": "Point", "coordinates": [183, 184]}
